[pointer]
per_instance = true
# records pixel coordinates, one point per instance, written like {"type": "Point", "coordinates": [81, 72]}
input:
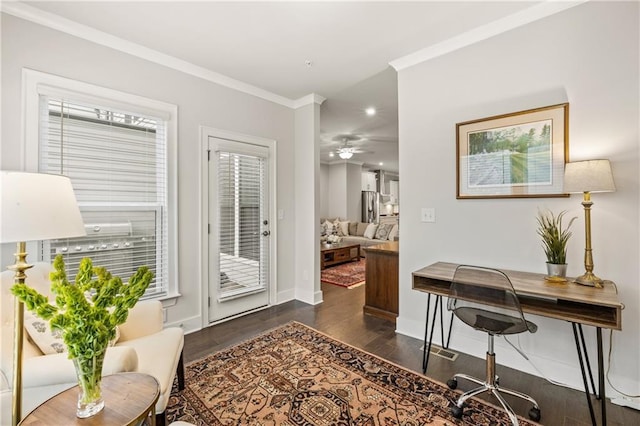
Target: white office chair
{"type": "Point", "coordinates": [484, 299]}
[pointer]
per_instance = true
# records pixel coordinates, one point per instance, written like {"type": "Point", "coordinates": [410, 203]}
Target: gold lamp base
{"type": "Point", "coordinates": [589, 279]}
{"type": "Point", "coordinates": [19, 268]}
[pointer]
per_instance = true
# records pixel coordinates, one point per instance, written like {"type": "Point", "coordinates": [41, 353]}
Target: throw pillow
{"type": "Point", "coordinates": [342, 228]}
{"type": "Point", "coordinates": [49, 341]}
{"type": "Point", "coordinates": [327, 228]}
{"type": "Point", "coordinates": [361, 228]}
{"type": "Point", "coordinates": [353, 228]}
{"type": "Point", "coordinates": [371, 231]}
{"type": "Point", "coordinates": [393, 233]}
{"type": "Point", "coordinates": [382, 233]}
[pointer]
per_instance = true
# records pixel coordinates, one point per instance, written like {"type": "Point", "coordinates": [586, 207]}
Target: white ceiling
{"type": "Point", "coordinates": [266, 44]}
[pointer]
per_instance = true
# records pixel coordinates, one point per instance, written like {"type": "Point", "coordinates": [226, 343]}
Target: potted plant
{"type": "Point", "coordinates": [554, 241]}
{"type": "Point", "coordinates": [86, 313]}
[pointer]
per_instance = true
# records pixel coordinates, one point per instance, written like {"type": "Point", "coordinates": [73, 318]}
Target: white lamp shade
{"type": "Point", "coordinates": [35, 206]}
{"type": "Point", "coordinates": [345, 155]}
{"type": "Point", "coordinates": [588, 176]}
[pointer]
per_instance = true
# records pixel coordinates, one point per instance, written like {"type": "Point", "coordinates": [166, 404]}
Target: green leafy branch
{"type": "Point", "coordinates": [87, 312]}
{"type": "Point", "coordinates": [554, 236]}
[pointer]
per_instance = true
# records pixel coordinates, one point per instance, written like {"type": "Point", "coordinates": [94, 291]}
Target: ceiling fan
{"type": "Point", "coordinates": [347, 150]}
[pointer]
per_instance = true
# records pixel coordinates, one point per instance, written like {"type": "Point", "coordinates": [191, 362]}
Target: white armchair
{"type": "Point", "coordinates": [144, 346]}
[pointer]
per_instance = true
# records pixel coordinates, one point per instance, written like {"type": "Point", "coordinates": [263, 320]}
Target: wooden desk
{"type": "Point", "coordinates": [577, 304]}
{"type": "Point", "coordinates": [130, 399]}
{"type": "Point", "coordinates": [381, 276]}
{"type": "Point", "coordinates": [598, 307]}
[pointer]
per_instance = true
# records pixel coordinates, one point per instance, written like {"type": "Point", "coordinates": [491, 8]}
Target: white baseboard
{"type": "Point", "coordinates": [285, 296]}
{"type": "Point", "coordinates": [189, 325]}
{"type": "Point", "coordinates": [626, 401]}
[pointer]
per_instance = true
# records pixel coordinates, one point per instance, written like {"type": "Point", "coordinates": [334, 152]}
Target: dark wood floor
{"type": "Point", "coordinates": [340, 316]}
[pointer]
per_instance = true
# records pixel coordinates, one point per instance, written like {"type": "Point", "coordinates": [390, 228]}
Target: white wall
{"type": "Point", "coordinates": [338, 190]}
{"type": "Point", "coordinates": [354, 192]}
{"type": "Point", "coordinates": [307, 194]}
{"type": "Point", "coordinates": [324, 190]}
{"type": "Point", "coordinates": [587, 56]}
{"type": "Point", "coordinates": [25, 44]}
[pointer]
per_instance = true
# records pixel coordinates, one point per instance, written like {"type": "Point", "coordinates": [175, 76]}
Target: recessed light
{"type": "Point", "coordinates": [331, 154]}
{"type": "Point", "coordinates": [380, 163]}
{"type": "Point", "coordinates": [370, 111]}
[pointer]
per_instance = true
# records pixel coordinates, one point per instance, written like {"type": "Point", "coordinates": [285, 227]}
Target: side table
{"type": "Point", "coordinates": [129, 399]}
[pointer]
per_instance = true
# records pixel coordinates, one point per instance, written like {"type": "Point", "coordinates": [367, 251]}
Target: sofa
{"type": "Point", "coordinates": [143, 346]}
{"type": "Point", "coordinates": [352, 232]}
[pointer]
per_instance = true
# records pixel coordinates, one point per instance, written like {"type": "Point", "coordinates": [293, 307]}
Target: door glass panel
{"type": "Point", "coordinates": [243, 251]}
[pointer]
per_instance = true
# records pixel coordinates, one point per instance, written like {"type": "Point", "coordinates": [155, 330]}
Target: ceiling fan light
{"type": "Point", "coordinates": [345, 155]}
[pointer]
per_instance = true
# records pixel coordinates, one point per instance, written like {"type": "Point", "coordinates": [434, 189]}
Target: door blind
{"type": "Point", "coordinates": [241, 199]}
{"type": "Point", "coordinates": [117, 164]}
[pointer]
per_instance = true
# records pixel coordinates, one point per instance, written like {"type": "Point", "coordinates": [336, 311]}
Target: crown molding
{"type": "Point", "coordinates": [312, 98]}
{"type": "Point", "coordinates": [339, 161]}
{"type": "Point", "coordinates": [483, 32]}
{"type": "Point", "coordinates": [56, 22]}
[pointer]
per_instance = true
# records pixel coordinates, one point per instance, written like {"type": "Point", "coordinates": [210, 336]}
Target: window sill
{"type": "Point", "coordinates": [169, 300]}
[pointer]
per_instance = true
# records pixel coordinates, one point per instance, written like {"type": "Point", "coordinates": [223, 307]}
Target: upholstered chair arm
{"type": "Point", "coordinates": [144, 319]}
{"type": "Point", "coordinates": [58, 369]}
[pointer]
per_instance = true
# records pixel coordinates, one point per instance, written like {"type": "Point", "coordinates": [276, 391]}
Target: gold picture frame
{"type": "Point", "coordinates": [517, 155]}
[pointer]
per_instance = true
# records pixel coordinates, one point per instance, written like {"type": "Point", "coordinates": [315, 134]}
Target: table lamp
{"type": "Point", "coordinates": [587, 177]}
{"type": "Point", "coordinates": [33, 207]}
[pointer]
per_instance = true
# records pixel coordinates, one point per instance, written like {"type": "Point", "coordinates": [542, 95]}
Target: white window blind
{"type": "Point", "coordinates": [243, 250]}
{"type": "Point", "coordinates": [117, 163]}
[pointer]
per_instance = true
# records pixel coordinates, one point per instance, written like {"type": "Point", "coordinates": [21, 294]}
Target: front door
{"type": "Point", "coordinates": [239, 227]}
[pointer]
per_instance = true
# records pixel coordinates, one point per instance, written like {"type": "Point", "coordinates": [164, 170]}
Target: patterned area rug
{"type": "Point", "coordinates": [349, 275]}
{"type": "Point", "coordinates": [294, 375]}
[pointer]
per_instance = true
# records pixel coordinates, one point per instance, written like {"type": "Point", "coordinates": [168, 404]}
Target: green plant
{"type": "Point", "coordinates": [554, 236]}
{"type": "Point", "coordinates": [86, 313]}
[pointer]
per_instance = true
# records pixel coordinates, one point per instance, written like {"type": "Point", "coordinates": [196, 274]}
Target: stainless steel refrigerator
{"type": "Point", "coordinates": [370, 206]}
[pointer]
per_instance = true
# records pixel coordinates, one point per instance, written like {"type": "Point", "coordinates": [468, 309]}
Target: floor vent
{"type": "Point", "coordinates": [443, 353]}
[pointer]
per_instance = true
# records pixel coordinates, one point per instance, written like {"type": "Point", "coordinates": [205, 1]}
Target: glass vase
{"type": "Point", "coordinates": [89, 372]}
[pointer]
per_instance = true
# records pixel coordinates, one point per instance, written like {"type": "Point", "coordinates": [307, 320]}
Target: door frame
{"type": "Point", "coordinates": [205, 133]}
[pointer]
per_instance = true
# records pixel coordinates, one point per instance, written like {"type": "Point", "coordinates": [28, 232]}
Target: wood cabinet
{"type": "Point", "coordinates": [381, 289]}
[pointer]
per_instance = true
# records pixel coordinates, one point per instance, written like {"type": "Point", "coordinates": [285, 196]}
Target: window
{"type": "Point", "coordinates": [117, 157]}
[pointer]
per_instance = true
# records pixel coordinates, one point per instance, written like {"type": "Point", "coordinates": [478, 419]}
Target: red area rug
{"type": "Point", "coordinates": [349, 275]}
{"type": "Point", "coordinates": [297, 376]}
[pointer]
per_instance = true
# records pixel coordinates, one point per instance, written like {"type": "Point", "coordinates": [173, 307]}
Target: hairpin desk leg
{"type": "Point", "coordinates": [586, 358]}
{"type": "Point", "coordinates": [425, 353]}
{"type": "Point", "coordinates": [449, 334]}
{"type": "Point", "coordinates": [427, 347]}
{"type": "Point", "coordinates": [584, 375]}
{"type": "Point", "coordinates": [603, 398]}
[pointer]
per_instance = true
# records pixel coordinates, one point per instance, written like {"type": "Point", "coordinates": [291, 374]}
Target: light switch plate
{"type": "Point", "coordinates": [428, 214]}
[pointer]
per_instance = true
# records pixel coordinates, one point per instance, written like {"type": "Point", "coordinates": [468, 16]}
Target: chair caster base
{"type": "Point", "coordinates": [452, 383]}
{"type": "Point", "coordinates": [457, 412]}
{"type": "Point", "coordinates": [534, 414]}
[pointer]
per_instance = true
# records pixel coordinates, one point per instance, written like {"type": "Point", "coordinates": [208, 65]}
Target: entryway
{"type": "Point", "coordinates": [240, 230]}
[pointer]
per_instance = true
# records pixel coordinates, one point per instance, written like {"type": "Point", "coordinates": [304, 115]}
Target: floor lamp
{"type": "Point", "coordinates": [33, 207]}
{"type": "Point", "coordinates": [587, 177]}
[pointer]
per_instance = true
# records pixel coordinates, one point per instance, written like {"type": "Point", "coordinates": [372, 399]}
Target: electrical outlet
{"type": "Point", "coordinates": [428, 214]}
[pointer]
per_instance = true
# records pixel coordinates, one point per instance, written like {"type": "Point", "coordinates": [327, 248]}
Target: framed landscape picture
{"type": "Point", "coordinates": [521, 154]}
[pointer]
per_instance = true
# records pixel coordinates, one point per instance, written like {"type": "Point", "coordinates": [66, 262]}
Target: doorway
{"type": "Point", "coordinates": [239, 230]}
